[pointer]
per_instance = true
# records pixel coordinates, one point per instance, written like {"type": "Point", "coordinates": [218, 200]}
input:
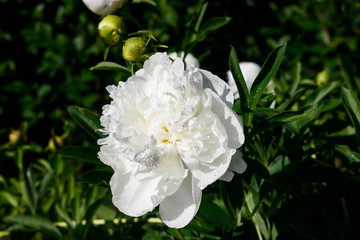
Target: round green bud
{"type": "Point", "coordinates": [111, 28]}
{"type": "Point", "coordinates": [322, 78]}
{"type": "Point", "coordinates": [134, 49]}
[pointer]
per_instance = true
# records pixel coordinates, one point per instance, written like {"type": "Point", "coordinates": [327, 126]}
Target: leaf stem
{"type": "Point", "coordinates": [253, 217]}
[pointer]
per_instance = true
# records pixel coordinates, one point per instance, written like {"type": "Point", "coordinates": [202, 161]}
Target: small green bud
{"type": "Point", "coordinates": [111, 28]}
{"type": "Point", "coordinates": [134, 49]}
{"type": "Point", "coordinates": [322, 78]}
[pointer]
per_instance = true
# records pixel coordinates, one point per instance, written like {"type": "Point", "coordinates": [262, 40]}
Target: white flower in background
{"type": "Point", "coordinates": [171, 132]}
{"type": "Point", "coordinates": [103, 7]}
{"type": "Point", "coordinates": [249, 70]}
{"type": "Point", "coordinates": [190, 60]}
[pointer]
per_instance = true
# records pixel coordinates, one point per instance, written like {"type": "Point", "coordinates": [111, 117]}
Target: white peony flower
{"type": "Point", "coordinates": [171, 132]}
{"type": "Point", "coordinates": [189, 60]}
{"type": "Point", "coordinates": [250, 70]}
{"type": "Point", "coordinates": [103, 7]}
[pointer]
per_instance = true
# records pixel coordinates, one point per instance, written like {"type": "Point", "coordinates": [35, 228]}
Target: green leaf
{"type": "Point", "coordinates": [193, 27]}
{"type": "Point", "coordinates": [320, 93]}
{"type": "Point", "coordinates": [290, 116]}
{"type": "Point", "coordinates": [64, 215]}
{"type": "Point", "coordinates": [268, 71]}
{"type": "Point", "coordinates": [278, 164]}
{"type": "Point", "coordinates": [145, 33]}
{"type": "Point", "coordinates": [110, 66]}
{"type": "Point", "coordinates": [291, 100]}
{"type": "Point", "coordinates": [257, 168]}
{"type": "Point", "coordinates": [352, 105]}
{"type": "Point", "coordinates": [350, 155]}
{"type": "Point", "coordinates": [297, 78]}
{"type": "Point", "coordinates": [87, 154]}
{"type": "Point", "coordinates": [151, 2]}
{"type": "Point", "coordinates": [35, 223]}
{"type": "Point", "coordinates": [233, 195]}
{"type": "Point", "coordinates": [240, 83]}
{"type": "Point", "coordinates": [347, 131]}
{"type": "Point", "coordinates": [310, 116]}
{"type": "Point", "coordinates": [87, 119]}
{"type": "Point", "coordinates": [214, 214]}
{"type": "Point", "coordinates": [7, 197]}
{"type": "Point", "coordinates": [90, 212]}
{"type": "Point", "coordinates": [330, 104]}
{"type": "Point", "coordinates": [303, 113]}
{"type": "Point", "coordinates": [211, 25]}
{"type": "Point", "coordinates": [45, 182]}
{"type": "Point", "coordinates": [152, 235]}
{"type": "Point", "coordinates": [29, 191]}
{"type": "Point", "coordinates": [97, 177]}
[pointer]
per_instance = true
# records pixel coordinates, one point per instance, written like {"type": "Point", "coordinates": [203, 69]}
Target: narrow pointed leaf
{"type": "Point", "coordinates": [212, 213]}
{"type": "Point", "coordinates": [88, 154]}
{"type": "Point", "coordinates": [297, 78]}
{"type": "Point", "coordinates": [145, 33]}
{"type": "Point", "coordinates": [352, 105]}
{"type": "Point", "coordinates": [88, 120]}
{"type": "Point", "coordinates": [35, 223]}
{"type": "Point", "coordinates": [268, 71]}
{"type": "Point", "coordinates": [64, 215]}
{"type": "Point", "coordinates": [256, 167]}
{"type": "Point", "coordinates": [110, 66]}
{"type": "Point", "coordinates": [304, 113]}
{"type": "Point", "coordinates": [211, 25]}
{"type": "Point", "coordinates": [320, 93]}
{"type": "Point", "coordinates": [350, 155]}
{"type": "Point", "coordinates": [97, 177]}
{"type": "Point", "coordinates": [239, 79]}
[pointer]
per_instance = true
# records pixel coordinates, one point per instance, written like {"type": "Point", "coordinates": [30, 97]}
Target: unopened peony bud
{"type": "Point", "coordinates": [134, 49]}
{"type": "Point", "coordinates": [14, 136]}
{"type": "Point", "coordinates": [103, 7]}
{"type": "Point", "coordinates": [322, 78]}
{"type": "Point", "coordinates": [111, 28]}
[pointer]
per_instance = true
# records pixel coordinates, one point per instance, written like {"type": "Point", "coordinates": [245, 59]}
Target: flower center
{"type": "Point", "coordinates": [167, 137]}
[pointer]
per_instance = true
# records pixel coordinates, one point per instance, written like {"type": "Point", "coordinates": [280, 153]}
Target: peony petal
{"type": "Point", "coordinates": [227, 177]}
{"type": "Point", "coordinates": [207, 173]}
{"type": "Point", "coordinates": [237, 163]}
{"type": "Point", "coordinates": [229, 119]}
{"type": "Point", "coordinates": [134, 197]}
{"type": "Point", "coordinates": [180, 208]}
{"type": "Point", "coordinates": [219, 86]}
{"type": "Point", "coordinates": [136, 193]}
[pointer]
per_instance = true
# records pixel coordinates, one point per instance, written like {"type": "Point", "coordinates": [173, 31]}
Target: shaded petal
{"type": "Point", "coordinates": [227, 177]}
{"type": "Point", "coordinates": [136, 193]}
{"type": "Point", "coordinates": [219, 86]}
{"type": "Point", "coordinates": [229, 119]}
{"type": "Point", "coordinates": [180, 208]}
{"type": "Point", "coordinates": [237, 163]}
{"type": "Point", "coordinates": [208, 173]}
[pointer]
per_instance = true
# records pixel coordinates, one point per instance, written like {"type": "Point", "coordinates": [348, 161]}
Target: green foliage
{"type": "Point", "coordinates": [302, 136]}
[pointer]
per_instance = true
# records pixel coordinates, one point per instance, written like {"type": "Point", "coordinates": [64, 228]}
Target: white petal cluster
{"type": "Point", "coordinates": [103, 7]}
{"type": "Point", "coordinates": [170, 133]}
